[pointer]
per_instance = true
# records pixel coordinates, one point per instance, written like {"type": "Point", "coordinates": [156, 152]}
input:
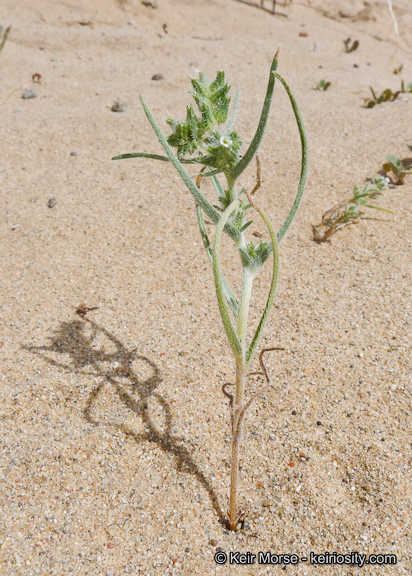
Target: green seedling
{"type": "Point", "coordinates": [348, 211]}
{"type": "Point", "coordinates": [3, 36]}
{"type": "Point", "coordinates": [207, 140]}
{"type": "Point", "coordinates": [322, 85]}
{"type": "Point", "coordinates": [351, 46]}
{"type": "Point", "coordinates": [386, 96]}
{"type": "Point", "coordinates": [397, 168]}
{"type": "Point", "coordinates": [406, 89]}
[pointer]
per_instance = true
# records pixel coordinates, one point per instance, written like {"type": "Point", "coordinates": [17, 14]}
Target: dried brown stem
{"type": "Point", "coordinates": [258, 179]}
{"type": "Point", "coordinates": [262, 389]}
{"type": "Point", "coordinates": [200, 176]}
{"type": "Point", "coordinates": [230, 396]}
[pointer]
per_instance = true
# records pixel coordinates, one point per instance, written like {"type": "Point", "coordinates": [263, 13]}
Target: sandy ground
{"type": "Point", "coordinates": [114, 430]}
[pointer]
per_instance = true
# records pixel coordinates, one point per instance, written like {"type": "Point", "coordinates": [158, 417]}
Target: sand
{"type": "Point", "coordinates": [115, 434]}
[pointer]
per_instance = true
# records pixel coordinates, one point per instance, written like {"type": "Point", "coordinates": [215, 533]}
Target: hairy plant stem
{"type": "Point", "coordinates": [236, 440]}
{"type": "Point", "coordinates": [238, 404]}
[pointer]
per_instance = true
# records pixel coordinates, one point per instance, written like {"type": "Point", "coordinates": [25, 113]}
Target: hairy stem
{"type": "Point", "coordinates": [236, 440]}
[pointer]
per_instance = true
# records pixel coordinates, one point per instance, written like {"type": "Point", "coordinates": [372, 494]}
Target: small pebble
{"type": "Point", "coordinates": [213, 542]}
{"type": "Point", "coordinates": [187, 549]}
{"type": "Point", "coordinates": [73, 154]}
{"type": "Point", "coordinates": [157, 77]}
{"type": "Point", "coordinates": [118, 106]}
{"type": "Point", "coordinates": [319, 423]}
{"type": "Point", "coordinates": [29, 93]}
{"type": "Point", "coordinates": [52, 203]}
{"type": "Point", "coordinates": [294, 412]}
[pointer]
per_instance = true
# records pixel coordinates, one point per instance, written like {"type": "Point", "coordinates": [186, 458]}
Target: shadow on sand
{"type": "Point", "coordinates": [78, 342]}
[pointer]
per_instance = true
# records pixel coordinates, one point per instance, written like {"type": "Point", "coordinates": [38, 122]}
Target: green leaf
{"type": "Point", "coordinates": [212, 99]}
{"type": "Point", "coordinates": [373, 94]}
{"type": "Point", "coordinates": [386, 95]}
{"type": "Point", "coordinates": [186, 136]}
{"type": "Point", "coordinates": [224, 311]}
{"type": "Point", "coordinates": [227, 291]}
{"type": "Point", "coordinates": [304, 160]}
{"type": "Point", "coordinates": [394, 161]}
{"type": "Point", "coordinates": [257, 138]}
{"type": "Point", "coordinates": [246, 225]}
{"type": "Point", "coordinates": [196, 160]}
{"type": "Point", "coordinates": [141, 155]}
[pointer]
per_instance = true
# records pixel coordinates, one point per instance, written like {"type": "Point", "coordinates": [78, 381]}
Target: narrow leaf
{"type": "Point", "coordinates": [254, 146]}
{"type": "Point", "coordinates": [246, 225]}
{"type": "Point", "coordinates": [230, 297]}
{"type": "Point", "coordinates": [304, 162]}
{"type": "Point", "coordinates": [224, 312]}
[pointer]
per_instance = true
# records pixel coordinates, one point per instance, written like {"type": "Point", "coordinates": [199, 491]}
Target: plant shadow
{"type": "Point", "coordinates": [261, 6]}
{"type": "Point", "coordinates": [83, 344]}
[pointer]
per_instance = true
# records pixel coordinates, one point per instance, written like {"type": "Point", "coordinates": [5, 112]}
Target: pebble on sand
{"type": "Point", "coordinates": [118, 106]}
{"type": "Point", "coordinates": [29, 93]}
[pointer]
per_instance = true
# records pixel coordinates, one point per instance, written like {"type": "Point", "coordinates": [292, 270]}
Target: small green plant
{"type": "Point", "coordinates": [397, 168]}
{"type": "Point", "coordinates": [207, 139]}
{"type": "Point", "coordinates": [350, 46]}
{"type": "Point", "coordinates": [347, 212]}
{"type": "Point", "coordinates": [386, 96]}
{"type": "Point", "coordinates": [3, 36]}
{"type": "Point", "coordinates": [322, 85]}
{"type": "Point", "coordinates": [397, 70]}
{"type": "Point", "coordinates": [406, 89]}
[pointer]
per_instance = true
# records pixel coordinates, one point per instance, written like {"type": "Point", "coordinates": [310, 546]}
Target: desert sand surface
{"type": "Point", "coordinates": [115, 434]}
